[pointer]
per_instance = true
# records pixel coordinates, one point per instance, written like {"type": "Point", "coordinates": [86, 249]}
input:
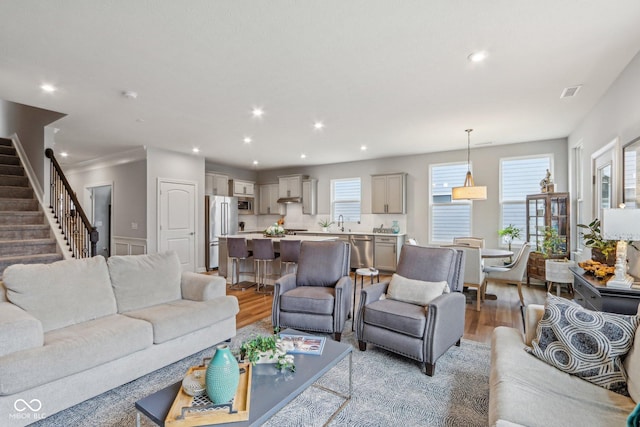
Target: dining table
{"type": "Point", "coordinates": [495, 253]}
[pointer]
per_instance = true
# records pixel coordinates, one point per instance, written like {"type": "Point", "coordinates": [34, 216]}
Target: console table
{"type": "Point", "coordinates": [592, 293]}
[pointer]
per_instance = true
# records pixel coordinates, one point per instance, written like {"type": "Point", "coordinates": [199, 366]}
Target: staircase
{"type": "Point", "coordinates": [25, 236]}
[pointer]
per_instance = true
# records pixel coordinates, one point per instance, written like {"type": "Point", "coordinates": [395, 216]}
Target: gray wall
{"type": "Point", "coordinates": [173, 165]}
{"type": "Point", "coordinates": [486, 166]}
{"type": "Point", "coordinates": [28, 123]}
{"type": "Point", "coordinates": [232, 172]}
{"type": "Point", "coordinates": [616, 115]}
{"type": "Point", "coordinates": [129, 203]}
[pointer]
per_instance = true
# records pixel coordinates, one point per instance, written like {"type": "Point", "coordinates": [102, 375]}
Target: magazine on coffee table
{"type": "Point", "coordinates": [303, 344]}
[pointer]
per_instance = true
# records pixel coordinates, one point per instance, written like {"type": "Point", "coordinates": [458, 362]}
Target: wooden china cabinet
{"type": "Point", "coordinates": [546, 210]}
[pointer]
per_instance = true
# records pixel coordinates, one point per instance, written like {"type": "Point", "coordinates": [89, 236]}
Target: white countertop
{"type": "Point", "coordinates": [334, 233]}
{"type": "Point", "coordinates": [251, 236]}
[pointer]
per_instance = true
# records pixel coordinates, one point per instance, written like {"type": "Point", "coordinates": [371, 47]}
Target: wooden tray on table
{"type": "Point", "coordinates": [185, 412]}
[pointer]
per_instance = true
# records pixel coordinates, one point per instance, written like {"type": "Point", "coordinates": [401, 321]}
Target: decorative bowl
{"type": "Point", "coordinates": [194, 384]}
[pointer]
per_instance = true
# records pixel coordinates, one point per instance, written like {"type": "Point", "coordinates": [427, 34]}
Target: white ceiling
{"type": "Point", "coordinates": [392, 75]}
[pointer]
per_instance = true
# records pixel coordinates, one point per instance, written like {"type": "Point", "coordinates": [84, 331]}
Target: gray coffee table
{"type": "Point", "coordinates": [269, 392]}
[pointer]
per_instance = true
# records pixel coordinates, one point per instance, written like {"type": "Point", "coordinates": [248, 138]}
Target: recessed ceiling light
{"type": "Point", "coordinates": [49, 88]}
{"type": "Point", "coordinates": [255, 162]}
{"type": "Point", "coordinates": [363, 147]}
{"type": "Point", "coordinates": [303, 156]}
{"type": "Point", "coordinates": [247, 140]}
{"type": "Point", "coordinates": [129, 94]}
{"type": "Point", "coordinates": [195, 150]}
{"type": "Point", "coordinates": [478, 56]}
{"type": "Point", "coordinates": [64, 154]}
{"type": "Point", "coordinates": [257, 112]}
{"type": "Point", "coordinates": [318, 125]}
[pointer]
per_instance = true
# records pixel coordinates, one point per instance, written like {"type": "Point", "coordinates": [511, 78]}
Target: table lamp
{"type": "Point", "coordinates": [621, 225]}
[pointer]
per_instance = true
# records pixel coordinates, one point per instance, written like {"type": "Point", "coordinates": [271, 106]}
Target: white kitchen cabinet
{"type": "Point", "coordinates": [389, 193]}
{"type": "Point", "coordinates": [386, 252]}
{"type": "Point", "coordinates": [268, 200]}
{"type": "Point", "coordinates": [216, 184]}
{"type": "Point", "coordinates": [291, 185]}
{"type": "Point", "coordinates": [242, 188]}
{"type": "Point", "coordinates": [310, 196]}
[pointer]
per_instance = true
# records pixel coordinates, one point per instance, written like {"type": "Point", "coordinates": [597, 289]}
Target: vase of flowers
{"type": "Point", "coordinates": [275, 230]}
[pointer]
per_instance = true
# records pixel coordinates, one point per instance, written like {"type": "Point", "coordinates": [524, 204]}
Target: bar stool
{"type": "Point", "coordinates": [289, 252]}
{"type": "Point", "coordinates": [264, 254]}
{"type": "Point", "coordinates": [237, 250]}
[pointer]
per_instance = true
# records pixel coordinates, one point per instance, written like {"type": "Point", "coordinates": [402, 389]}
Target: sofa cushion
{"type": "Point", "coordinates": [62, 293]}
{"type": "Point", "coordinates": [141, 281]}
{"type": "Point", "coordinates": [18, 329]}
{"type": "Point", "coordinates": [585, 343]}
{"type": "Point", "coordinates": [415, 291]}
{"type": "Point", "coordinates": [177, 318]}
{"type": "Point", "coordinates": [525, 390]}
{"type": "Point", "coordinates": [309, 299]}
{"type": "Point", "coordinates": [73, 349]}
{"type": "Point", "coordinates": [632, 366]}
{"type": "Point", "coordinates": [408, 319]}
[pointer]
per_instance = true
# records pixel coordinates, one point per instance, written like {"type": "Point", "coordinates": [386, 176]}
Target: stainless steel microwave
{"type": "Point", "coordinates": [245, 205]}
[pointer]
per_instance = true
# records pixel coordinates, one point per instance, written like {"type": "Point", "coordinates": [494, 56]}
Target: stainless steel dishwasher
{"type": "Point", "coordinates": [361, 251]}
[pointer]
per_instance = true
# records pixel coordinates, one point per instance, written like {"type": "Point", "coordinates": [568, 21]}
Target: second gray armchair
{"type": "Point", "coordinates": [318, 296]}
{"type": "Point", "coordinates": [422, 332]}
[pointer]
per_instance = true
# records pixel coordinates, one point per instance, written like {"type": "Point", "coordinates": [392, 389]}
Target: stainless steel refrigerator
{"type": "Point", "coordinates": [221, 219]}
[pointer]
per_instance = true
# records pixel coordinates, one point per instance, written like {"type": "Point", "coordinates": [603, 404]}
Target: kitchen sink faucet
{"type": "Point", "coordinates": [341, 223]}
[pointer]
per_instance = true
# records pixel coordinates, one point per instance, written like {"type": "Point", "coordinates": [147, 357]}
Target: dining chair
{"type": "Point", "coordinates": [474, 274]}
{"type": "Point", "coordinates": [289, 253]}
{"type": "Point", "coordinates": [512, 273]}
{"type": "Point", "coordinates": [237, 251]}
{"type": "Point", "coordinates": [475, 242]}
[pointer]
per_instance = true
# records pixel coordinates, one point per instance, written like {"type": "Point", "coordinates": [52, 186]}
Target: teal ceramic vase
{"type": "Point", "coordinates": [222, 376]}
{"type": "Point", "coordinates": [395, 227]}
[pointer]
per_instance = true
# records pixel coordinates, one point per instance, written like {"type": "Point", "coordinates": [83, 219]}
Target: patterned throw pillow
{"type": "Point", "coordinates": [587, 344]}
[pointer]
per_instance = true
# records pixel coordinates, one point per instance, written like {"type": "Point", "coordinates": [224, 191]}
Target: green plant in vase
{"type": "Point", "coordinates": [267, 350]}
{"type": "Point", "coordinates": [552, 243]}
{"type": "Point", "coordinates": [325, 224]}
{"type": "Point", "coordinates": [602, 250]}
{"type": "Point", "coordinates": [509, 234]}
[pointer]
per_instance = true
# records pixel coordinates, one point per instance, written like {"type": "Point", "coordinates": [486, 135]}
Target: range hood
{"type": "Point", "coordinates": [287, 200]}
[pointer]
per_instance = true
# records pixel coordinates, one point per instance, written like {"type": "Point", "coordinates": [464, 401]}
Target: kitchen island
{"type": "Point", "coordinates": [246, 266]}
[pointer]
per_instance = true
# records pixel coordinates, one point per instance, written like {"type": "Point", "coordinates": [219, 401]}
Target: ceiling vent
{"type": "Point", "coordinates": [568, 92]}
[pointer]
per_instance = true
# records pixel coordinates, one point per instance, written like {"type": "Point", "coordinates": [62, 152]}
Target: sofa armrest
{"type": "Point", "coordinates": [284, 284]}
{"type": "Point", "coordinates": [373, 293]}
{"type": "Point", "coordinates": [533, 314]}
{"type": "Point", "coordinates": [201, 287]}
{"type": "Point", "coordinates": [445, 324]}
{"type": "Point", "coordinates": [18, 329]}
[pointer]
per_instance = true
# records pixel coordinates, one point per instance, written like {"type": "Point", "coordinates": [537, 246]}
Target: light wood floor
{"type": "Point", "coordinates": [503, 311]}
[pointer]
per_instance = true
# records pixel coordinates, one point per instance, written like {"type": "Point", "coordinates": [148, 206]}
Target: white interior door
{"type": "Point", "coordinates": [177, 221]}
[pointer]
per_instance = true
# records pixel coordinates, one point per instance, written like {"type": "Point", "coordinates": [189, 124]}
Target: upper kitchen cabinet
{"type": "Point", "coordinates": [268, 203]}
{"type": "Point", "coordinates": [291, 185]}
{"type": "Point", "coordinates": [242, 188]}
{"type": "Point", "coordinates": [309, 196]}
{"type": "Point", "coordinates": [216, 184]}
{"type": "Point", "coordinates": [389, 193]}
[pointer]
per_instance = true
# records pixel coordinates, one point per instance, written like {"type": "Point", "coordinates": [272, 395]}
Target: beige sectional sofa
{"type": "Point", "coordinates": [77, 328]}
{"type": "Point", "coordinates": [526, 391]}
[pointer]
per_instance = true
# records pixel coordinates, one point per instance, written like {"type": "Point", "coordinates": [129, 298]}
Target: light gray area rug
{"type": "Point", "coordinates": [388, 390]}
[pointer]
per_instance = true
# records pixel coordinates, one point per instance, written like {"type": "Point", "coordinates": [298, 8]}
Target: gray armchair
{"type": "Point", "coordinates": [316, 297]}
{"type": "Point", "coordinates": [422, 333]}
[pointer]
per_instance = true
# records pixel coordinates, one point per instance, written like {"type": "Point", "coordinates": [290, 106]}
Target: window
{"type": "Point", "coordinates": [449, 218]}
{"type": "Point", "coordinates": [519, 177]}
{"type": "Point", "coordinates": [345, 199]}
{"type": "Point", "coordinates": [578, 158]}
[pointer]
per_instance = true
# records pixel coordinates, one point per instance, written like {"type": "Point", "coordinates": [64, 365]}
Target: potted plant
{"type": "Point", "coordinates": [325, 224]}
{"type": "Point", "coordinates": [603, 251]}
{"type": "Point", "coordinates": [267, 349]}
{"type": "Point", "coordinates": [275, 230]}
{"type": "Point", "coordinates": [552, 244]}
{"type": "Point", "coordinates": [509, 234]}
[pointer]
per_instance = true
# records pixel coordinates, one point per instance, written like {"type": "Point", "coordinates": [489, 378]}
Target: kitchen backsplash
{"type": "Point", "coordinates": [295, 219]}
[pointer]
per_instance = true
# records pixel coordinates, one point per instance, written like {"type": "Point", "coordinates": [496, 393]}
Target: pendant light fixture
{"type": "Point", "coordinates": [469, 191]}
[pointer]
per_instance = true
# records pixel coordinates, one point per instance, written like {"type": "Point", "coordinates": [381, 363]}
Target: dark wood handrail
{"type": "Point", "coordinates": [66, 209]}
